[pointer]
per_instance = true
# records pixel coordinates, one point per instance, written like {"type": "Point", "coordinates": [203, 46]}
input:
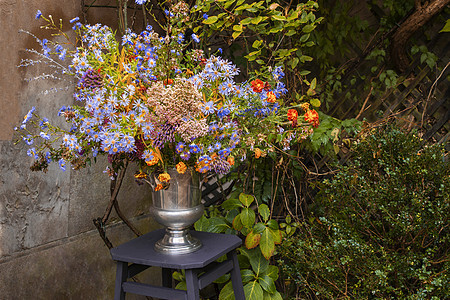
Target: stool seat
{"type": "Point", "coordinates": [140, 254]}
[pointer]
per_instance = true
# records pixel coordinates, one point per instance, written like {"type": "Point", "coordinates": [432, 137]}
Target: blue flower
{"type": "Point", "coordinates": [28, 140]}
{"type": "Point", "coordinates": [140, 2]}
{"type": "Point", "coordinates": [208, 108]}
{"type": "Point", "coordinates": [62, 164]}
{"type": "Point", "coordinates": [32, 153]}
{"type": "Point", "coordinates": [44, 135]}
{"type": "Point", "coordinates": [38, 14]}
{"type": "Point", "coordinates": [28, 115]}
{"type": "Point", "coordinates": [205, 16]}
{"type": "Point", "coordinates": [195, 38]}
{"type": "Point", "coordinates": [220, 50]}
{"type": "Point", "coordinates": [180, 147]}
{"type": "Point", "coordinates": [74, 20]}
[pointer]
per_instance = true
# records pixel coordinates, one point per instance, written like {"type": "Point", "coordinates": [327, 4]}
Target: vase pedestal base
{"type": "Point", "coordinates": [177, 242]}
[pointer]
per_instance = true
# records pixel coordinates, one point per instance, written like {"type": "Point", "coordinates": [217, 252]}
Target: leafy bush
{"type": "Point", "coordinates": [380, 228]}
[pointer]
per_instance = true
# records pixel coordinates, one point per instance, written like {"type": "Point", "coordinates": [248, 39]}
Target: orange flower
{"type": "Point", "coordinates": [230, 160]}
{"type": "Point", "coordinates": [158, 187]}
{"type": "Point", "coordinates": [181, 167]}
{"type": "Point", "coordinates": [311, 116]}
{"type": "Point", "coordinates": [257, 85]}
{"type": "Point", "coordinates": [164, 177]}
{"type": "Point", "coordinates": [305, 106]}
{"type": "Point", "coordinates": [258, 153]}
{"type": "Point", "coordinates": [271, 98]}
{"type": "Point", "coordinates": [292, 115]}
{"type": "Point", "coordinates": [153, 161]}
{"type": "Point", "coordinates": [140, 175]}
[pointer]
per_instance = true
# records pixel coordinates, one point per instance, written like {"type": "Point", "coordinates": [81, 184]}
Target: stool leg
{"type": "Point", "coordinates": [193, 292]}
{"type": "Point", "coordinates": [121, 276]}
{"type": "Point", "coordinates": [167, 277]}
{"type": "Point", "coordinates": [236, 278]}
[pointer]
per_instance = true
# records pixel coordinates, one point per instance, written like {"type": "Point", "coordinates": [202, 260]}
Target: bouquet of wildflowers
{"type": "Point", "coordinates": [157, 101]}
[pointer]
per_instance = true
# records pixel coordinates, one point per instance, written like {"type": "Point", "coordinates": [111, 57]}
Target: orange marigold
{"type": "Point", "coordinates": [257, 85]}
{"type": "Point", "coordinates": [230, 160]}
{"type": "Point", "coordinates": [164, 177]}
{"type": "Point", "coordinates": [258, 153]}
{"type": "Point", "coordinates": [153, 161]}
{"type": "Point", "coordinates": [181, 167]}
{"type": "Point", "coordinates": [271, 98]}
{"type": "Point", "coordinates": [158, 187]}
{"type": "Point", "coordinates": [292, 115]}
{"type": "Point", "coordinates": [305, 106]}
{"type": "Point", "coordinates": [311, 116]}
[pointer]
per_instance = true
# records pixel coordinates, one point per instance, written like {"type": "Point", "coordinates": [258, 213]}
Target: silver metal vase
{"type": "Point", "coordinates": [177, 208]}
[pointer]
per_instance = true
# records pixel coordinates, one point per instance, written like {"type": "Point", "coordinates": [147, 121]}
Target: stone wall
{"type": "Point", "coordinates": [49, 248]}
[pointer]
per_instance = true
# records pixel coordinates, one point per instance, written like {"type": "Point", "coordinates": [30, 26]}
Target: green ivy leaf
{"type": "Point", "coordinates": [267, 283]}
{"type": "Point", "coordinates": [252, 240]}
{"type": "Point", "coordinates": [246, 21]}
{"type": "Point", "coordinates": [259, 227]}
{"type": "Point", "coordinates": [231, 203]}
{"type": "Point", "coordinates": [272, 271]}
{"type": "Point", "coordinates": [264, 211]}
{"type": "Point", "coordinates": [276, 235]}
{"type": "Point", "coordinates": [223, 279]}
{"type": "Point", "coordinates": [236, 34]}
{"type": "Point", "coordinates": [217, 225]}
{"type": "Point", "coordinates": [202, 224]}
{"type": "Point", "coordinates": [246, 199]}
{"type": "Point", "coordinates": [273, 224]}
{"type": "Point", "coordinates": [253, 291]}
{"type": "Point", "coordinates": [247, 275]}
{"type": "Point", "coordinates": [257, 261]}
{"type": "Point", "coordinates": [210, 20]}
{"type": "Point", "coordinates": [227, 292]}
{"type": "Point", "coordinates": [248, 217]}
{"type": "Point", "coordinates": [267, 244]}
{"type": "Point", "coordinates": [182, 286]}
{"type": "Point", "coordinates": [274, 296]}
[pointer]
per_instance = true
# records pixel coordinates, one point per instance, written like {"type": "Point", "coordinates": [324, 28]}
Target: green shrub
{"type": "Point", "coordinates": [379, 228]}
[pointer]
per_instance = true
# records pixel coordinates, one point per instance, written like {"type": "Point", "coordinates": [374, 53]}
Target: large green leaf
{"type": "Point", "coordinates": [253, 291]}
{"type": "Point", "coordinates": [267, 283]}
{"type": "Point", "coordinates": [272, 271]}
{"type": "Point", "coordinates": [247, 275]}
{"type": "Point", "coordinates": [252, 240]}
{"type": "Point", "coordinates": [248, 217]}
{"type": "Point", "coordinates": [259, 227]}
{"type": "Point", "coordinates": [267, 243]}
{"type": "Point", "coordinates": [227, 292]}
{"type": "Point", "coordinates": [257, 261]}
{"type": "Point", "coordinates": [264, 211]}
{"type": "Point", "coordinates": [202, 224]}
{"type": "Point", "coordinates": [237, 223]}
{"type": "Point", "coordinates": [276, 235]}
{"type": "Point", "coordinates": [274, 296]}
{"type": "Point", "coordinates": [244, 198]}
{"type": "Point", "coordinates": [231, 203]}
{"type": "Point", "coordinates": [217, 225]}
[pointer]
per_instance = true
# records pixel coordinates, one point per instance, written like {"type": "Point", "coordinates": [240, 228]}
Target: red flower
{"type": "Point", "coordinates": [292, 115]}
{"type": "Point", "coordinates": [311, 116]}
{"type": "Point", "coordinates": [168, 81]}
{"type": "Point", "coordinates": [257, 85]}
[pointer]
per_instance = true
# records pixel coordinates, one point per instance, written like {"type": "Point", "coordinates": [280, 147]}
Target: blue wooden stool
{"type": "Point", "coordinates": [137, 255]}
